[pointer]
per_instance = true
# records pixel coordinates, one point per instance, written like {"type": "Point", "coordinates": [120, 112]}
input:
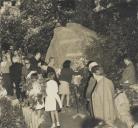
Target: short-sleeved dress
{"type": "Point", "coordinates": [52, 96]}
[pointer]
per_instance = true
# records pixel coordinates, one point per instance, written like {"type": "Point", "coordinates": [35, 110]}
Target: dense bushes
{"type": "Point", "coordinates": [10, 117]}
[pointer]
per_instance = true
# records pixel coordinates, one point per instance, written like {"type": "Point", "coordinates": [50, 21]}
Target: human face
{"type": "Point", "coordinates": [126, 61]}
{"type": "Point", "coordinates": [52, 61]}
{"type": "Point", "coordinates": [27, 64]}
{"type": "Point", "coordinates": [4, 58]}
{"type": "Point", "coordinates": [38, 55]}
{"type": "Point", "coordinates": [15, 53]}
{"type": "Point", "coordinates": [99, 71]}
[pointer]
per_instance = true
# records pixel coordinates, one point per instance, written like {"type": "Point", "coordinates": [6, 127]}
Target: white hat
{"type": "Point", "coordinates": [92, 64]}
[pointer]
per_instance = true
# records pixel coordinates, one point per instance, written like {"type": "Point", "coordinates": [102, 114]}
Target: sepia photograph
{"type": "Point", "coordinates": [68, 63]}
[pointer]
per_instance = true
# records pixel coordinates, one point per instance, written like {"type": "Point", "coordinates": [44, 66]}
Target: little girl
{"type": "Point", "coordinates": [51, 99]}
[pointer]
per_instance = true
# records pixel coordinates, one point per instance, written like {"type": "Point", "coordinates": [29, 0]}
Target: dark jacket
{"type": "Point", "coordinates": [16, 72]}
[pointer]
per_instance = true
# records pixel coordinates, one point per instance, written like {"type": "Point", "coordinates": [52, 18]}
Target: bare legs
{"type": "Point", "coordinates": [67, 98]}
{"type": "Point", "coordinates": [62, 98]}
{"type": "Point", "coordinates": [54, 117]}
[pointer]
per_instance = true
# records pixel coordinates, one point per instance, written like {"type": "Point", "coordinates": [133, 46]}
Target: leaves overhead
{"type": "Point", "coordinates": [33, 29]}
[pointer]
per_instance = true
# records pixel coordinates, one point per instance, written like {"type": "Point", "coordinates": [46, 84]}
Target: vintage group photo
{"type": "Point", "coordinates": [68, 63]}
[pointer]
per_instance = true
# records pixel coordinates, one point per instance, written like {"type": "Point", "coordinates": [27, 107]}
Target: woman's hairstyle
{"type": "Point", "coordinates": [43, 63]}
{"type": "Point", "coordinates": [67, 64]}
{"type": "Point", "coordinates": [34, 76]}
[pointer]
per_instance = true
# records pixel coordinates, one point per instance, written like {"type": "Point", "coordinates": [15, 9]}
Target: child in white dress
{"type": "Point", "coordinates": [52, 99]}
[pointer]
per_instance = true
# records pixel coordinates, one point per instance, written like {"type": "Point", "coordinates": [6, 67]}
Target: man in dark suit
{"type": "Point", "coordinates": [16, 73]}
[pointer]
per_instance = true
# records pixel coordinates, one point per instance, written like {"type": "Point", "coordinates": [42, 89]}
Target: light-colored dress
{"type": "Point", "coordinates": [64, 88]}
{"type": "Point", "coordinates": [52, 96]}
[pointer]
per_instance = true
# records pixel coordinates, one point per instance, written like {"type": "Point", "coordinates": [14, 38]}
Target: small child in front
{"type": "Point", "coordinates": [51, 99]}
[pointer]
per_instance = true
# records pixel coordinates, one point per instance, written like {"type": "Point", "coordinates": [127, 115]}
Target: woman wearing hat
{"type": "Point", "coordinates": [101, 96]}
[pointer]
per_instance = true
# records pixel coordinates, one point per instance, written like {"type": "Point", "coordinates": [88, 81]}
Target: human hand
{"type": "Point", "coordinates": [126, 82]}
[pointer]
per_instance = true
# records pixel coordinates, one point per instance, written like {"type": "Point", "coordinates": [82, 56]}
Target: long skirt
{"type": "Point", "coordinates": [7, 84]}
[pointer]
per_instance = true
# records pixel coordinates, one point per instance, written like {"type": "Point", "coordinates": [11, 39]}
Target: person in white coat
{"type": "Point", "coordinates": [51, 100]}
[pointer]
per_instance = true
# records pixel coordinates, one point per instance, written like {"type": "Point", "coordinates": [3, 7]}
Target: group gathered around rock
{"type": "Point", "coordinates": [39, 85]}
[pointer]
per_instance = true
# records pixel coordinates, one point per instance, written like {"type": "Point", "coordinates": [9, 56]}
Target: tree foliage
{"type": "Point", "coordinates": [117, 23]}
{"type": "Point", "coordinates": [10, 116]}
{"type": "Point", "coordinates": [40, 17]}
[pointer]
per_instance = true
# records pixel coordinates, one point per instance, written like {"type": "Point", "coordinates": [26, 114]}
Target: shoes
{"type": "Point", "coordinates": [58, 125]}
{"type": "Point", "coordinates": [53, 126]}
{"type": "Point", "coordinates": [67, 106]}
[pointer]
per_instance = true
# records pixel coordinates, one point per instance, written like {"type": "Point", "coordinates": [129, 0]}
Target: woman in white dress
{"type": "Point", "coordinates": [51, 99]}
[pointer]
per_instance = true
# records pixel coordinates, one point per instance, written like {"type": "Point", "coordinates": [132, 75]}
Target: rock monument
{"type": "Point", "coordinates": [71, 42]}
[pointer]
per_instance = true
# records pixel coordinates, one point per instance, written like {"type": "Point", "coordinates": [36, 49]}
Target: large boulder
{"type": "Point", "coordinates": [71, 42]}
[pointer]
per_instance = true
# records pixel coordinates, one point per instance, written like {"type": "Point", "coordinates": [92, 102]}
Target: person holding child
{"type": "Point", "coordinates": [52, 98]}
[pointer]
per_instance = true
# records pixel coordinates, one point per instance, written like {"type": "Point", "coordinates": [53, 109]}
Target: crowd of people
{"type": "Point", "coordinates": [39, 85]}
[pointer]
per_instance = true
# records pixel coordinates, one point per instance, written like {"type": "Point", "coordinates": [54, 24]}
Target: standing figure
{"type": "Point", "coordinates": [51, 100]}
{"type": "Point", "coordinates": [129, 73]}
{"type": "Point", "coordinates": [102, 97]}
{"type": "Point", "coordinates": [16, 75]}
{"type": "Point", "coordinates": [51, 62]}
{"type": "Point", "coordinates": [25, 71]}
{"type": "Point", "coordinates": [35, 61]}
{"type": "Point", "coordinates": [65, 81]}
{"type": "Point", "coordinates": [5, 71]}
